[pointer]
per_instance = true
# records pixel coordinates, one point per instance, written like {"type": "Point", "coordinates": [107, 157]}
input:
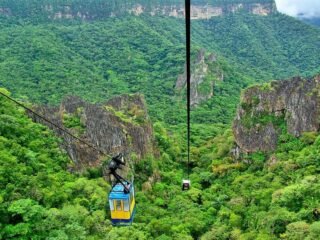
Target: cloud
{"type": "Point", "coordinates": [308, 8]}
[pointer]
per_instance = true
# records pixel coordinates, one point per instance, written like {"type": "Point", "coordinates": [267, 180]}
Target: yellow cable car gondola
{"type": "Point", "coordinates": [122, 205]}
{"type": "Point", "coordinates": [121, 197]}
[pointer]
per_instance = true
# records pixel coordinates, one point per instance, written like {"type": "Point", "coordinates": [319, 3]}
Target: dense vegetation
{"type": "Point", "coordinates": [35, 11]}
{"type": "Point", "coordinates": [40, 198]}
{"type": "Point", "coordinates": [272, 47]}
{"type": "Point", "coordinates": [97, 60]}
{"type": "Point", "coordinates": [260, 196]}
{"type": "Point", "coordinates": [263, 196]}
{"type": "Point", "coordinates": [25, 8]}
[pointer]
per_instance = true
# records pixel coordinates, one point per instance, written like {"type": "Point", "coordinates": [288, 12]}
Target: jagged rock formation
{"type": "Point", "coordinates": [265, 109]}
{"type": "Point", "coordinates": [96, 9]}
{"type": "Point", "coordinates": [205, 72]}
{"type": "Point", "coordinates": [207, 11]}
{"type": "Point", "coordinates": [121, 124]}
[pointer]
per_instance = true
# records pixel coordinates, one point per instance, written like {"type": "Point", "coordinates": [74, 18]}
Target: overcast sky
{"type": "Point", "coordinates": [310, 8]}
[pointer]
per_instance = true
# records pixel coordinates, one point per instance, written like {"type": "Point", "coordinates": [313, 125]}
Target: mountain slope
{"type": "Point", "coordinates": [145, 54]}
{"type": "Point", "coordinates": [234, 195]}
{"type": "Point", "coordinates": [52, 10]}
{"type": "Point", "coordinates": [273, 47]}
{"type": "Point", "coordinates": [259, 196]}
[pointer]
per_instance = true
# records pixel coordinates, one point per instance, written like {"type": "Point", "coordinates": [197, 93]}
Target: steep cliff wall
{"type": "Point", "coordinates": [119, 125]}
{"type": "Point", "coordinates": [264, 110]}
{"type": "Point", "coordinates": [207, 11]}
{"type": "Point", "coordinates": [97, 9]}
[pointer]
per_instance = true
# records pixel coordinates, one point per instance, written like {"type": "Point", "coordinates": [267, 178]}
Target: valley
{"type": "Point", "coordinates": [113, 74]}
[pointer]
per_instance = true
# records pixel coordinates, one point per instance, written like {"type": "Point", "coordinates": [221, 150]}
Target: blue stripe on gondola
{"type": "Point", "coordinates": [117, 192]}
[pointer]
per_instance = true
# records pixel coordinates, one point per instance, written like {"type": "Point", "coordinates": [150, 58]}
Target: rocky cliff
{"type": "Point", "coordinates": [97, 9]}
{"type": "Point", "coordinates": [264, 110]}
{"type": "Point", "coordinates": [119, 125]}
{"type": "Point", "coordinates": [208, 10]}
{"type": "Point", "coordinates": [205, 72]}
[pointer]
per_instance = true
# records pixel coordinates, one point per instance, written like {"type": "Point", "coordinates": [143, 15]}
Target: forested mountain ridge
{"type": "Point", "coordinates": [235, 195]}
{"type": "Point", "coordinates": [97, 9]}
{"type": "Point", "coordinates": [122, 55]}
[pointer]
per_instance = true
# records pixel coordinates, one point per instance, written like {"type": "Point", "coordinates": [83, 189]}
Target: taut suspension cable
{"type": "Point", "coordinates": [188, 48]}
{"type": "Point", "coordinates": [52, 123]}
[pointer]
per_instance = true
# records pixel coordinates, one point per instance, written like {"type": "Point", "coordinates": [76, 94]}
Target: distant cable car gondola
{"type": "Point", "coordinates": [121, 196]}
{"type": "Point", "coordinates": [186, 184]}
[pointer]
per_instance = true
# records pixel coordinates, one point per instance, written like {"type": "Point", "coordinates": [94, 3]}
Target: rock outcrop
{"type": "Point", "coordinates": [121, 124]}
{"type": "Point", "coordinates": [207, 11]}
{"type": "Point", "coordinates": [265, 109]}
{"type": "Point", "coordinates": [205, 72]}
{"type": "Point", "coordinates": [96, 9]}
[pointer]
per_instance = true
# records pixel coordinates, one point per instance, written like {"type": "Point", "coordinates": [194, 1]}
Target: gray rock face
{"type": "Point", "coordinates": [120, 125]}
{"type": "Point", "coordinates": [295, 102]}
{"type": "Point", "coordinates": [205, 71]}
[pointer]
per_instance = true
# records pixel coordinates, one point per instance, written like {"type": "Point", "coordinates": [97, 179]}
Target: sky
{"type": "Point", "coordinates": [309, 8]}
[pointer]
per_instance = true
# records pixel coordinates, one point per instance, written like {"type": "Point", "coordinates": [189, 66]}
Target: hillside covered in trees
{"type": "Point", "coordinates": [100, 59]}
{"type": "Point", "coordinates": [260, 196]}
{"type": "Point", "coordinates": [235, 194]}
{"type": "Point", "coordinates": [33, 10]}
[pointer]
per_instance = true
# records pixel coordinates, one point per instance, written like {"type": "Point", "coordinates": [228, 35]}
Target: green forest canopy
{"type": "Point", "coordinates": [41, 10]}
{"type": "Point", "coordinates": [255, 198]}
{"type": "Point", "coordinates": [251, 199]}
{"type": "Point", "coordinates": [97, 60]}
